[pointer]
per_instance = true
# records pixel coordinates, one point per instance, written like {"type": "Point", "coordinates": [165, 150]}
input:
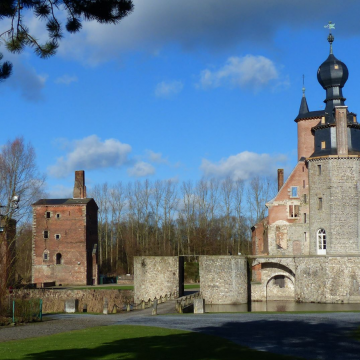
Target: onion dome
{"type": "Point", "coordinates": [332, 72]}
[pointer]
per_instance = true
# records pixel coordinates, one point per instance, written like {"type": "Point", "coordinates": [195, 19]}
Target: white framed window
{"type": "Point", "coordinates": [294, 192]}
{"type": "Point", "coordinates": [294, 211]}
{"type": "Point", "coordinates": [321, 242]}
{"type": "Point", "coordinates": [46, 255]}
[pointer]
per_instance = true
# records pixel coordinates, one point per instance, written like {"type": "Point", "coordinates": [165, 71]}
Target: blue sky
{"type": "Point", "coordinates": [177, 90]}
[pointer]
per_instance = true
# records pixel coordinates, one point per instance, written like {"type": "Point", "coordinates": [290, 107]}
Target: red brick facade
{"type": "Point", "coordinates": [305, 137]}
{"type": "Point", "coordinates": [274, 235]}
{"type": "Point", "coordinates": [65, 240]}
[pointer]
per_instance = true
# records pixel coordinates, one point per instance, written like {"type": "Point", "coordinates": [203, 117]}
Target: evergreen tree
{"type": "Point", "coordinates": [17, 37]}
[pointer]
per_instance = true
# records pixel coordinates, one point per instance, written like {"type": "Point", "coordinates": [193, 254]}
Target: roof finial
{"type": "Point", "coordinates": [330, 38]}
{"type": "Point", "coordinates": [303, 88]}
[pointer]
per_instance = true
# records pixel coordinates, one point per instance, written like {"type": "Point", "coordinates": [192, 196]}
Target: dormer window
{"type": "Point", "coordinates": [323, 145]}
{"type": "Point", "coordinates": [323, 120]}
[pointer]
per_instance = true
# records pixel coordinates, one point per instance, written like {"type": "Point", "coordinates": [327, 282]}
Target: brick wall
{"type": "Point", "coordinates": [305, 138]}
{"type": "Point", "coordinates": [76, 228]}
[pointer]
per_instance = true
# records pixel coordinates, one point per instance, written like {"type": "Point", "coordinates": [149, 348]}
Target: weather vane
{"type": "Point", "coordinates": [330, 26]}
{"type": "Point", "coordinates": [303, 88]}
{"type": "Point", "coordinates": [330, 38]}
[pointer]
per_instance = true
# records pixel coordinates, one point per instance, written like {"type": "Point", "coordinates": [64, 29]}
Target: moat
{"type": "Point", "coordinates": [281, 306]}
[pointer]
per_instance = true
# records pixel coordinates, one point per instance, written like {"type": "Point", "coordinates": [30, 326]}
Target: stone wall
{"type": "Point", "coordinates": [156, 276]}
{"type": "Point", "coordinates": [338, 186]}
{"type": "Point", "coordinates": [326, 279]}
{"type": "Point", "coordinates": [223, 279]}
{"type": "Point", "coordinates": [53, 300]}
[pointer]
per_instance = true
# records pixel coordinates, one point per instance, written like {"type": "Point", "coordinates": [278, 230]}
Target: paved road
{"type": "Point", "coordinates": [311, 336]}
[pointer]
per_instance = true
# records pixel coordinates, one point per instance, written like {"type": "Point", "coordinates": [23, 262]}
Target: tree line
{"type": "Point", "coordinates": [207, 217]}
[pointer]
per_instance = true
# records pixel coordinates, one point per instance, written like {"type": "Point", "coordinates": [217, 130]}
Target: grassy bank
{"type": "Point", "coordinates": [130, 342]}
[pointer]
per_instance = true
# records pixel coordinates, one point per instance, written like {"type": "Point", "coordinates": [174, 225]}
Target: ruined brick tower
{"type": "Point", "coordinates": [65, 237]}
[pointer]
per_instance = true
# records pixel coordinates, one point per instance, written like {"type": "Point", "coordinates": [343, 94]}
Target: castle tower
{"type": "Point", "coordinates": [306, 120]}
{"type": "Point", "coordinates": [334, 168]}
{"type": "Point", "coordinates": [65, 238]}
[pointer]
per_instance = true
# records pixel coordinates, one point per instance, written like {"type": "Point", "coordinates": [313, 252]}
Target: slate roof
{"type": "Point", "coordinates": [310, 115]}
{"type": "Point", "coordinates": [63, 202]}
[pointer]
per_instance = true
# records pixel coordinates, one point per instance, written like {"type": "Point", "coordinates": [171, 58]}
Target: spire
{"type": "Point", "coordinates": [332, 76]}
{"type": "Point", "coordinates": [303, 105]}
{"type": "Point", "coordinates": [330, 38]}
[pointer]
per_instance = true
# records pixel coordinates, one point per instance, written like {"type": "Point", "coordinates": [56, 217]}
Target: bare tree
{"type": "Point", "coordinates": [261, 190]}
{"type": "Point", "coordinates": [19, 176]}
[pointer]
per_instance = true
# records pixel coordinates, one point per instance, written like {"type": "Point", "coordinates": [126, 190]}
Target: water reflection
{"type": "Point", "coordinates": [281, 306]}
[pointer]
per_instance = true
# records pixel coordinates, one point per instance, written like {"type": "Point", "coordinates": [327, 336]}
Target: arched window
{"type": "Point", "coordinates": [58, 259]}
{"type": "Point", "coordinates": [321, 242]}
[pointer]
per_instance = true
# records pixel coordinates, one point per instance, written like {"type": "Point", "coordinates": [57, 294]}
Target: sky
{"type": "Point", "coordinates": [177, 90]}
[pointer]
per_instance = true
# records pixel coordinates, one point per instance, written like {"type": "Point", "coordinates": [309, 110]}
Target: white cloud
{"type": "Point", "coordinates": [156, 157]}
{"type": "Point", "coordinates": [66, 79]}
{"type": "Point", "coordinates": [251, 71]}
{"type": "Point", "coordinates": [243, 165]}
{"type": "Point", "coordinates": [211, 24]}
{"type": "Point", "coordinates": [24, 78]}
{"type": "Point", "coordinates": [166, 89]}
{"type": "Point", "coordinates": [141, 169]}
{"type": "Point", "coordinates": [91, 153]}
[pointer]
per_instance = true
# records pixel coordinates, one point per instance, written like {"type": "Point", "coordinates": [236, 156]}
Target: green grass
{"type": "Point", "coordinates": [130, 342]}
{"type": "Point", "coordinates": [192, 286]}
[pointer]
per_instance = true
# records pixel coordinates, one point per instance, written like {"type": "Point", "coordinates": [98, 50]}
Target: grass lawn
{"type": "Point", "coordinates": [130, 342]}
{"type": "Point", "coordinates": [192, 286]}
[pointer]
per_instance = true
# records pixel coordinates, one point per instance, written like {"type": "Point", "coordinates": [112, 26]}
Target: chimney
{"type": "Point", "coordinates": [280, 178]}
{"type": "Point", "coordinates": [79, 186]}
{"type": "Point", "coordinates": [341, 130]}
